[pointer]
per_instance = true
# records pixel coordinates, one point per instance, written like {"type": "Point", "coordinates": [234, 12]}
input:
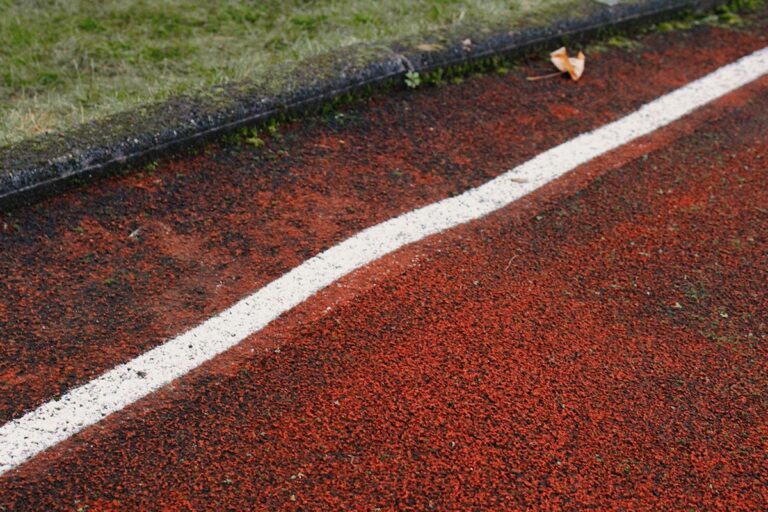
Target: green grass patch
{"type": "Point", "coordinates": [63, 62]}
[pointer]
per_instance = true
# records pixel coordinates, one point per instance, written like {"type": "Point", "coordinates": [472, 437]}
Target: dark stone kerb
{"type": "Point", "coordinates": [52, 162]}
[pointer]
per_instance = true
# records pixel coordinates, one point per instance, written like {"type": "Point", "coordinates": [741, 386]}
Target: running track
{"type": "Point", "coordinates": [600, 342]}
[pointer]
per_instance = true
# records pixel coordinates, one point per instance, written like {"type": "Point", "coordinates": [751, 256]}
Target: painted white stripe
{"type": "Point", "coordinates": [59, 419]}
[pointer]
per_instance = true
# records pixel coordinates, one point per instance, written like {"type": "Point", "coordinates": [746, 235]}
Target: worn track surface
{"type": "Point", "coordinates": [602, 343]}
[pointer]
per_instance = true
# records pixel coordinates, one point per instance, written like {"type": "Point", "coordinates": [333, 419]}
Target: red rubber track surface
{"type": "Point", "coordinates": [610, 352]}
{"type": "Point", "coordinates": [80, 294]}
{"type": "Point", "coordinates": [598, 345]}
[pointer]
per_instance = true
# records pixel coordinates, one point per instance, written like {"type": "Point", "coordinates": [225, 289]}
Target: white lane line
{"type": "Point", "coordinates": [59, 419]}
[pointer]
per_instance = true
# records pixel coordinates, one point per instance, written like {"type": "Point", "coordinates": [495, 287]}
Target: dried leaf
{"type": "Point", "coordinates": [429, 47]}
{"type": "Point", "coordinates": [574, 66]}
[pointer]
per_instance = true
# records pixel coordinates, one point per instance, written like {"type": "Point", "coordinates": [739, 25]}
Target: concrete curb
{"type": "Point", "coordinates": [43, 165]}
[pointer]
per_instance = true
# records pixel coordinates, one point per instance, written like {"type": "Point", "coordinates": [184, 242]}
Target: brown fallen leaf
{"type": "Point", "coordinates": [574, 66]}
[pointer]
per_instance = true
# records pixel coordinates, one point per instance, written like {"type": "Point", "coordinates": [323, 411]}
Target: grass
{"type": "Point", "coordinates": [63, 62]}
{"type": "Point", "coordinates": [727, 15]}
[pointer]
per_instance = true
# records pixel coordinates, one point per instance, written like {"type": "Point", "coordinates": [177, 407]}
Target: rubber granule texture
{"type": "Point", "coordinates": [608, 352]}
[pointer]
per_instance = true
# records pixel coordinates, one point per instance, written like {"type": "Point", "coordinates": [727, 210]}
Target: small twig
{"type": "Point", "coordinates": [510, 262]}
{"type": "Point", "coordinates": [542, 77]}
